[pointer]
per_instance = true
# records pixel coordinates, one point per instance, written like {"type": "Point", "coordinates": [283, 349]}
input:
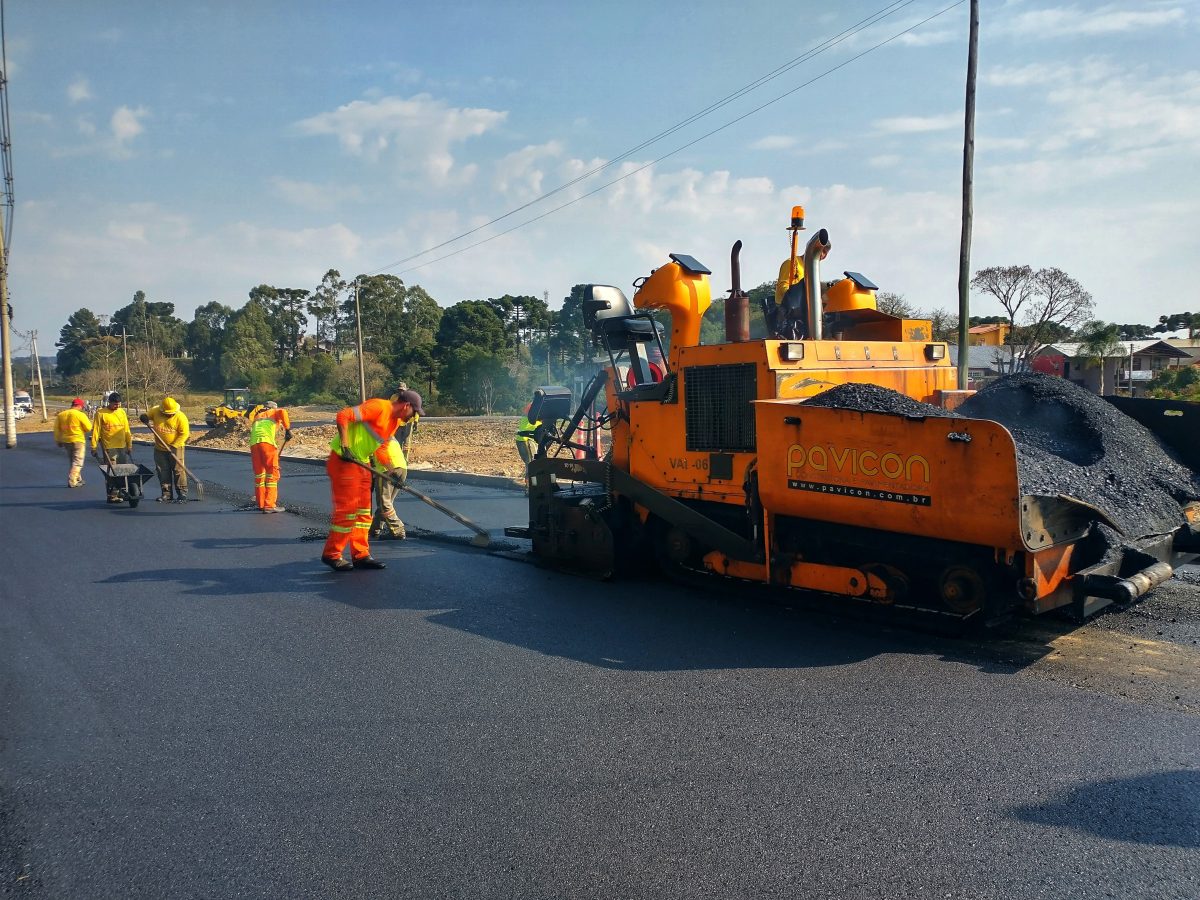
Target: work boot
{"type": "Point", "coordinates": [182, 499]}
{"type": "Point", "coordinates": [165, 498]}
{"type": "Point", "coordinates": [273, 509]}
{"type": "Point", "coordinates": [336, 563]}
{"type": "Point", "coordinates": [368, 562]}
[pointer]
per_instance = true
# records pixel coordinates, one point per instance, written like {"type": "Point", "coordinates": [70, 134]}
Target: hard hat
{"type": "Point", "coordinates": [170, 406]}
{"type": "Point", "coordinates": [77, 402]}
{"type": "Point", "coordinates": [271, 404]}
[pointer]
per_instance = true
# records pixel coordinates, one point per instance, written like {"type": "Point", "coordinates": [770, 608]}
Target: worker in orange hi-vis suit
{"type": "Point", "coordinates": [363, 439]}
{"type": "Point", "coordinates": [264, 455]}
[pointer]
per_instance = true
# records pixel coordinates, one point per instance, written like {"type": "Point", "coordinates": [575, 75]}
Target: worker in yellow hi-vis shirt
{"type": "Point", "coordinates": [71, 428]}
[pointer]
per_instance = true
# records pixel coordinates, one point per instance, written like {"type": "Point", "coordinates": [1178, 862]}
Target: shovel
{"type": "Point", "coordinates": [163, 445]}
{"type": "Point", "coordinates": [481, 539]}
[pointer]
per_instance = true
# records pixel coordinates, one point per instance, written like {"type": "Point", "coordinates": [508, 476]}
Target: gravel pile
{"type": "Point", "coordinates": [1070, 441]}
{"type": "Point", "coordinates": [871, 398]}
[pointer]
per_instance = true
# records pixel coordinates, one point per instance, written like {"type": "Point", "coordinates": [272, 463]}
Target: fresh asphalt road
{"type": "Point", "coordinates": [191, 706]}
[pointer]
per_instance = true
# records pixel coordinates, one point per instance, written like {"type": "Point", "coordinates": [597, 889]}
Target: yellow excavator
{"type": "Point", "coordinates": [716, 462]}
{"type": "Point", "coordinates": [232, 411]}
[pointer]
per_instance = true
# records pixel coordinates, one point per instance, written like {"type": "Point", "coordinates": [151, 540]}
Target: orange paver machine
{"type": "Point", "coordinates": [714, 463]}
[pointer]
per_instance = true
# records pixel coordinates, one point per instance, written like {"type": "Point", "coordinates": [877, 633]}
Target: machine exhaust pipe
{"type": "Point", "coordinates": [737, 307]}
{"type": "Point", "coordinates": [814, 251]}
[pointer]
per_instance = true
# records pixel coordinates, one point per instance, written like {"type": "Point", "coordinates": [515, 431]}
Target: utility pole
{"type": "Point", "coordinates": [37, 362]}
{"type": "Point", "coordinates": [362, 372]}
{"type": "Point", "coordinates": [964, 249]}
{"type": "Point", "coordinates": [10, 418]}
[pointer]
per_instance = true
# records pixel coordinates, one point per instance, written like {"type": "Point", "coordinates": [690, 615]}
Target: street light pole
{"type": "Point", "coordinates": [362, 372]}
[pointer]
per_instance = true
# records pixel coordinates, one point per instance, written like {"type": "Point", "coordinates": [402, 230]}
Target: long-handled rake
{"type": "Point", "coordinates": [481, 539]}
{"type": "Point", "coordinates": [163, 445]}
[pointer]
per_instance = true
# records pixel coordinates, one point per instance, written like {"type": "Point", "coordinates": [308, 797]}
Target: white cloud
{"type": "Point", "coordinates": [774, 142]}
{"type": "Point", "coordinates": [79, 90]}
{"type": "Point", "coordinates": [519, 175]}
{"type": "Point", "coordinates": [312, 196]}
{"type": "Point", "coordinates": [884, 161]}
{"type": "Point", "coordinates": [931, 38]}
{"type": "Point", "coordinates": [414, 135]}
{"type": "Point", "coordinates": [918, 124]}
{"type": "Point", "coordinates": [1071, 21]}
{"type": "Point", "coordinates": [1111, 107]}
{"type": "Point", "coordinates": [126, 124]}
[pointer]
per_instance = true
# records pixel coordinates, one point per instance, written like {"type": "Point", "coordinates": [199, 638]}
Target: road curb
{"type": "Point", "coordinates": [442, 476]}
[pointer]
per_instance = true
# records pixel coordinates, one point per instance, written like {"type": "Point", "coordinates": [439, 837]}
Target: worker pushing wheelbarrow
{"type": "Point", "coordinates": [123, 481]}
{"type": "Point", "coordinates": [112, 446]}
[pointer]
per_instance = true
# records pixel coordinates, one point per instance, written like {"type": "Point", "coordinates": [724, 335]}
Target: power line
{"type": "Point", "coordinates": [691, 143]}
{"type": "Point", "coordinates": [874, 18]}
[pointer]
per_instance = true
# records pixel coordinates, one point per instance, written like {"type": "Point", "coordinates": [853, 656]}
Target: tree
{"type": "Point", "coordinates": [205, 337]}
{"type": "Point", "coordinates": [381, 302]}
{"type": "Point", "coordinates": [1059, 302]}
{"type": "Point", "coordinates": [344, 381]}
{"type": "Point", "coordinates": [1011, 286]}
{"type": "Point", "coordinates": [894, 305]}
{"type": "Point", "coordinates": [82, 326]}
{"type": "Point", "coordinates": [1099, 341]}
{"type": "Point", "coordinates": [414, 355]}
{"type": "Point", "coordinates": [1136, 332]}
{"type": "Point", "coordinates": [1176, 384]}
{"type": "Point", "coordinates": [1178, 322]}
{"type": "Point", "coordinates": [247, 346]}
{"type": "Point", "coordinates": [153, 324]}
{"type": "Point", "coordinates": [1039, 306]}
{"type": "Point", "coordinates": [473, 323]}
{"type": "Point", "coordinates": [285, 312]}
{"type": "Point", "coordinates": [152, 375]}
{"type": "Point", "coordinates": [570, 340]}
{"type": "Point", "coordinates": [942, 323]}
{"type": "Point", "coordinates": [323, 304]}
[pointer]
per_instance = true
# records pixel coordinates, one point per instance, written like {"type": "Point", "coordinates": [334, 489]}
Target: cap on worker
{"type": "Point", "coordinates": [170, 405]}
{"type": "Point", "coordinates": [411, 397]}
{"type": "Point", "coordinates": [271, 404]}
{"type": "Point", "coordinates": [77, 402]}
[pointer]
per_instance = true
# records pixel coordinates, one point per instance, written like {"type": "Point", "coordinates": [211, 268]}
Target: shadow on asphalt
{"type": "Point", "coordinates": [628, 626]}
{"type": "Point", "coordinates": [1161, 809]}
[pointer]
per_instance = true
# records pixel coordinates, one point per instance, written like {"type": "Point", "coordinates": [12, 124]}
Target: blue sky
{"type": "Point", "coordinates": [194, 151]}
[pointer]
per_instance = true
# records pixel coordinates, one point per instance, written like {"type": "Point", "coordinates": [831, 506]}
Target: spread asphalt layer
{"type": "Point", "coordinates": [190, 705]}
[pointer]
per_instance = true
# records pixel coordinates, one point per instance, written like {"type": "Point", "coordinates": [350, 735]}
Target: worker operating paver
{"type": "Point", "coordinates": [526, 445]}
{"type": "Point", "coordinates": [112, 439]}
{"type": "Point", "coordinates": [364, 444]}
{"type": "Point", "coordinates": [264, 455]}
{"type": "Point", "coordinates": [71, 428]}
{"type": "Point", "coordinates": [171, 430]}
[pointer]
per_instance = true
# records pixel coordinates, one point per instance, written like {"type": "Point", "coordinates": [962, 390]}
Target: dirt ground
{"type": "Point", "coordinates": [483, 446]}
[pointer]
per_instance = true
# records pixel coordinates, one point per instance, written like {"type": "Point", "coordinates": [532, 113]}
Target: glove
{"type": "Point", "coordinates": [287, 434]}
{"type": "Point", "coordinates": [95, 454]}
{"type": "Point", "coordinates": [398, 475]}
{"type": "Point", "coordinates": [346, 455]}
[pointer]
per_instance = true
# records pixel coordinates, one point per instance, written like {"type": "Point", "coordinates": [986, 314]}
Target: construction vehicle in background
{"type": "Point", "coordinates": [233, 411]}
{"type": "Point", "coordinates": [717, 465]}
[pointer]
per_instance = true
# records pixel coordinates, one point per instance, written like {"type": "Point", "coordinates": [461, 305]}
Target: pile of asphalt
{"type": "Point", "coordinates": [1070, 441]}
{"type": "Point", "coordinates": [872, 398]}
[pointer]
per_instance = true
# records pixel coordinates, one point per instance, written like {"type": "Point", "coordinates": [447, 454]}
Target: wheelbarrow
{"type": "Point", "coordinates": [125, 480]}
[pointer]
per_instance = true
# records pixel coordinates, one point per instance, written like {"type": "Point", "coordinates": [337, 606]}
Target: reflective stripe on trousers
{"type": "Point", "coordinates": [265, 459]}
{"type": "Point", "coordinates": [351, 519]}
